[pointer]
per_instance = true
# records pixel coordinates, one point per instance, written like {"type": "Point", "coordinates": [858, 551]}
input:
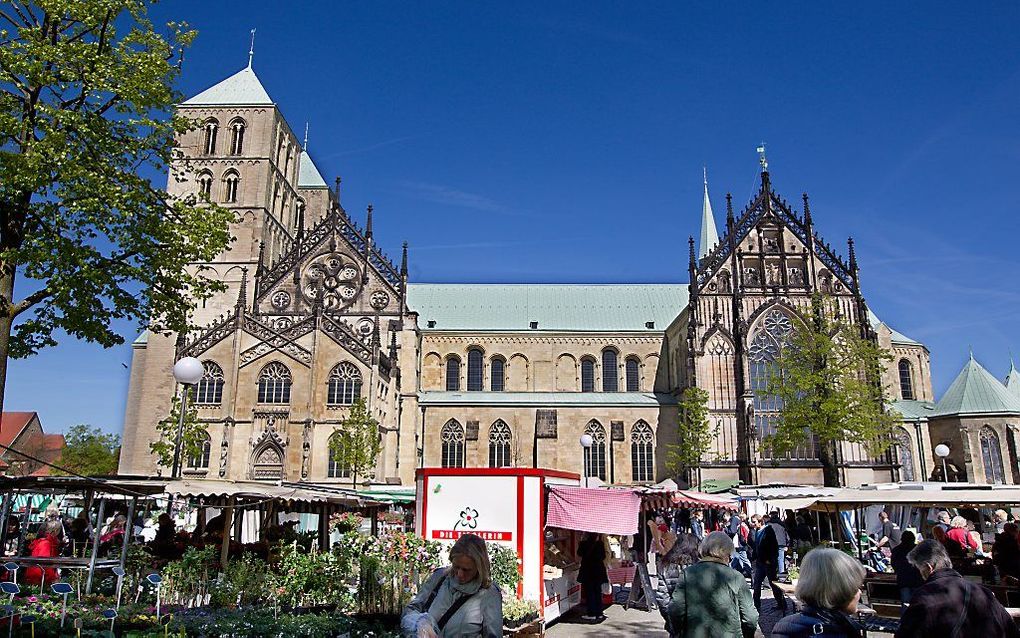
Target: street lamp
{"type": "Point", "coordinates": [942, 451]}
{"type": "Point", "coordinates": [187, 371]}
{"type": "Point", "coordinates": [586, 443]}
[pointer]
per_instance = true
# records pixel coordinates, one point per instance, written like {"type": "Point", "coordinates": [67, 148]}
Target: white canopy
{"type": "Point", "coordinates": [920, 495]}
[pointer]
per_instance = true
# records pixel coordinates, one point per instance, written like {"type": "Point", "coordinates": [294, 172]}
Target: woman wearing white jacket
{"type": "Point", "coordinates": [459, 601]}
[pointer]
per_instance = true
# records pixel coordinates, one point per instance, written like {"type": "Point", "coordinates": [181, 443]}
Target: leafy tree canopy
{"type": "Point", "coordinates": [356, 444]}
{"type": "Point", "coordinates": [694, 435]}
{"type": "Point", "coordinates": [89, 451]}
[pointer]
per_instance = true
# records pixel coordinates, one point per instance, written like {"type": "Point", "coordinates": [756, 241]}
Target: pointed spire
{"type": "Point", "coordinates": [368, 225]}
{"type": "Point", "coordinates": [709, 234]}
{"type": "Point", "coordinates": [807, 211]}
{"type": "Point", "coordinates": [1013, 378]}
{"type": "Point", "coordinates": [337, 189]}
{"type": "Point", "coordinates": [242, 293]}
{"type": "Point", "coordinates": [853, 254]}
{"type": "Point", "coordinates": [375, 333]}
{"type": "Point", "coordinates": [729, 212]}
{"type": "Point", "coordinates": [262, 257]}
{"type": "Point", "coordinates": [403, 262]}
{"type": "Point", "coordinates": [251, 51]}
{"type": "Point", "coordinates": [692, 263]}
{"type": "Point", "coordinates": [393, 346]}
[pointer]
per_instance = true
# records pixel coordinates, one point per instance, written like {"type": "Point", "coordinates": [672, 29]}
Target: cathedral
{"type": "Point", "coordinates": [315, 315]}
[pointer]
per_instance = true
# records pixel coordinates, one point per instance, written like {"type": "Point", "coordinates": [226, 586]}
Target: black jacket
{"type": "Point", "coordinates": [1006, 555]}
{"type": "Point", "coordinates": [950, 606]}
{"type": "Point", "coordinates": [812, 622]}
{"type": "Point", "coordinates": [766, 547]}
{"type": "Point", "coordinates": [592, 553]}
{"type": "Point", "coordinates": [906, 574]}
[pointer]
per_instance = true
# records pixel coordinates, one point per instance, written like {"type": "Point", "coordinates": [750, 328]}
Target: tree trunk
{"type": "Point", "coordinates": [6, 322]}
{"type": "Point", "coordinates": [827, 455]}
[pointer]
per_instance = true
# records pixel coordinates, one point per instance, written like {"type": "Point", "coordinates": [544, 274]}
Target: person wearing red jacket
{"type": "Point", "coordinates": [46, 546]}
{"type": "Point", "coordinates": [959, 534]}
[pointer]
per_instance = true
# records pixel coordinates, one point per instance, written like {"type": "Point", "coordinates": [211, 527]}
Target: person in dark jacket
{"type": "Point", "coordinates": [907, 577]}
{"type": "Point", "coordinates": [948, 605]}
{"type": "Point", "coordinates": [1006, 552]}
{"type": "Point", "coordinates": [830, 587]}
{"type": "Point", "coordinates": [766, 563]}
{"type": "Point", "coordinates": [710, 598]}
{"type": "Point", "coordinates": [592, 574]}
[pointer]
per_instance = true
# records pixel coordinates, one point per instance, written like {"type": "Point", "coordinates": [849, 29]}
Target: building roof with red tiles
{"type": "Point", "coordinates": [12, 424]}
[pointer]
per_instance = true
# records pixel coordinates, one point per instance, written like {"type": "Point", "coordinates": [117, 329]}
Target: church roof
{"type": "Point", "coordinates": [709, 236]}
{"type": "Point", "coordinates": [913, 410]}
{"type": "Point", "coordinates": [308, 175]}
{"type": "Point", "coordinates": [976, 391]}
{"type": "Point", "coordinates": [573, 307]}
{"type": "Point", "coordinates": [240, 89]}
{"type": "Point", "coordinates": [1013, 379]}
{"type": "Point", "coordinates": [897, 337]}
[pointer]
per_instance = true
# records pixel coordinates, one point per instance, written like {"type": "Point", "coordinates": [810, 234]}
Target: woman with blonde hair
{"type": "Point", "coordinates": [457, 601]}
{"type": "Point", "coordinates": [829, 588]}
{"type": "Point", "coordinates": [710, 599]}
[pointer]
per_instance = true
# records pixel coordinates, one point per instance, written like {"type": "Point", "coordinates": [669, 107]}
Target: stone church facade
{"type": "Point", "coordinates": [315, 314]}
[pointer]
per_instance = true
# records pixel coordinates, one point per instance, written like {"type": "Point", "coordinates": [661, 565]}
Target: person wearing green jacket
{"type": "Point", "coordinates": [711, 599]}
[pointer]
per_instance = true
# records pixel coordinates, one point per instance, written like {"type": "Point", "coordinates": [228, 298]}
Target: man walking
{"type": "Point", "coordinates": [741, 543]}
{"type": "Point", "coordinates": [782, 539]}
{"type": "Point", "coordinates": [766, 562]}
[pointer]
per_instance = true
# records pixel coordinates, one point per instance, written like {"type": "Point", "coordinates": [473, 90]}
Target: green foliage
{"type": "Point", "coordinates": [192, 436]}
{"type": "Point", "coordinates": [314, 578]}
{"type": "Point", "coordinates": [827, 380]}
{"type": "Point", "coordinates": [89, 451]}
{"type": "Point", "coordinates": [187, 580]}
{"type": "Point", "coordinates": [517, 611]}
{"type": "Point", "coordinates": [356, 444]}
{"type": "Point", "coordinates": [243, 583]}
{"type": "Point", "coordinates": [505, 568]}
{"type": "Point", "coordinates": [694, 435]}
{"type": "Point", "coordinates": [86, 114]}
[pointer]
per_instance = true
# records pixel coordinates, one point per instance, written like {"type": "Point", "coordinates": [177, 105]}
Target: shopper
{"type": "Point", "coordinates": [710, 599]}
{"type": "Point", "coordinates": [1006, 552]}
{"type": "Point", "coordinates": [948, 605]}
{"type": "Point", "coordinates": [766, 561]}
{"type": "Point", "coordinates": [782, 539]}
{"type": "Point", "coordinates": [829, 588]}
{"type": "Point", "coordinates": [592, 575]}
{"type": "Point", "coordinates": [888, 532]}
{"type": "Point", "coordinates": [698, 525]}
{"type": "Point", "coordinates": [47, 545]}
{"type": "Point", "coordinates": [959, 534]}
{"type": "Point", "coordinates": [740, 561]}
{"type": "Point", "coordinates": [908, 578]}
{"type": "Point", "coordinates": [459, 601]}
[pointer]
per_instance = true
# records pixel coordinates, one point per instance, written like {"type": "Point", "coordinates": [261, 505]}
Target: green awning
{"type": "Point", "coordinates": [717, 486]}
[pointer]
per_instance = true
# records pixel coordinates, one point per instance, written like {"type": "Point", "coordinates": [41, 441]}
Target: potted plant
{"type": "Point", "coordinates": [517, 613]}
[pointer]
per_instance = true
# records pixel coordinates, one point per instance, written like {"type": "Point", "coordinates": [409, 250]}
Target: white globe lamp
{"type": "Point", "coordinates": [942, 451]}
{"type": "Point", "coordinates": [188, 371]}
{"type": "Point", "coordinates": [586, 442]}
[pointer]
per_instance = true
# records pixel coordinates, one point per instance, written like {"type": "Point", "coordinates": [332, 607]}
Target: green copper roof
{"type": "Point", "coordinates": [574, 307]}
{"type": "Point", "coordinates": [913, 410]}
{"type": "Point", "coordinates": [897, 337]}
{"type": "Point", "coordinates": [142, 339]}
{"type": "Point", "coordinates": [308, 175]}
{"type": "Point", "coordinates": [240, 89]}
{"type": "Point", "coordinates": [1013, 380]}
{"type": "Point", "coordinates": [976, 391]}
{"type": "Point", "coordinates": [546, 399]}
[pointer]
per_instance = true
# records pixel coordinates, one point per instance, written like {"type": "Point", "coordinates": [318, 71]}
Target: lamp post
{"type": "Point", "coordinates": [187, 371]}
{"type": "Point", "coordinates": [942, 451]}
{"type": "Point", "coordinates": [586, 442]}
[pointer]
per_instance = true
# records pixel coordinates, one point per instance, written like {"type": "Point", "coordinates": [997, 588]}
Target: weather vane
{"type": "Point", "coordinates": [251, 51]}
{"type": "Point", "coordinates": [761, 157]}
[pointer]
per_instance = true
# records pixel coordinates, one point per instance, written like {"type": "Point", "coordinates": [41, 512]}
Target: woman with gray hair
{"type": "Point", "coordinates": [829, 588]}
{"type": "Point", "coordinates": [710, 598]}
{"type": "Point", "coordinates": [457, 601]}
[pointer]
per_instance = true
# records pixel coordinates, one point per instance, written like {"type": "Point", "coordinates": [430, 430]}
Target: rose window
{"type": "Point", "coordinates": [335, 277]}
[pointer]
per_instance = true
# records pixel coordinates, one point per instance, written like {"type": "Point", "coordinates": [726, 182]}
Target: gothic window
{"type": "Point", "coordinates": [230, 192]}
{"type": "Point", "coordinates": [499, 444]}
{"type": "Point", "coordinates": [906, 455]}
{"type": "Point", "coordinates": [475, 370]}
{"type": "Point", "coordinates": [209, 137]}
{"type": "Point", "coordinates": [335, 467]}
{"type": "Point", "coordinates": [587, 374]}
{"type": "Point", "coordinates": [237, 137]}
{"type": "Point", "coordinates": [595, 456]}
{"type": "Point", "coordinates": [641, 458]}
{"type": "Point", "coordinates": [633, 375]}
{"type": "Point", "coordinates": [274, 383]}
{"type": "Point", "coordinates": [452, 436]}
{"type": "Point", "coordinates": [267, 463]}
{"type": "Point", "coordinates": [906, 381]}
{"type": "Point", "coordinates": [205, 181]}
{"type": "Point", "coordinates": [209, 389]}
{"type": "Point", "coordinates": [200, 461]}
{"type": "Point", "coordinates": [344, 384]}
{"type": "Point", "coordinates": [610, 380]}
{"type": "Point", "coordinates": [452, 374]}
{"type": "Point", "coordinates": [497, 374]}
{"type": "Point", "coordinates": [991, 454]}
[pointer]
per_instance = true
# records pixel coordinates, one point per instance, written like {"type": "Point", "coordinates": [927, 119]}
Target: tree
{"type": "Point", "coordinates": [827, 382]}
{"type": "Point", "coordinates": [694, 435]}
{"type": "Point", "coordinates": [86, 99]}
{"type": "Point", "coordinates": [193, 435]}
{"type": "Point", "coordinates": [356, 444]}
{"type": "Point", "coordinates": [89, 451]}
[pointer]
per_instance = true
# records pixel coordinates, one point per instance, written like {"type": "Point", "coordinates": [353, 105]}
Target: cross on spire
{"type": "Point", "coordinates": [762, 159]}
{"type": "Point", "coordinates": [251, 51]}
{"type": "Point", "coordinates": [304, 146]}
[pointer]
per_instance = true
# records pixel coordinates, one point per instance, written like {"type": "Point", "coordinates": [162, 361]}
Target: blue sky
{"type": "Point", "coordinates": [542, 142]}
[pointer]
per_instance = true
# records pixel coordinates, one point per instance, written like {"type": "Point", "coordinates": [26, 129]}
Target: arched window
{"type": "Point", "coordinates": [595, 456]}
{"type": "Point", "coordinates": [771, 337]}
{"type": "Point", "coordinates": [209, 389]}
{"type": "Point", "coordinates": [475, 370]}
{"type": "Point", "coordinates": [906, 381]}
{"type": "Point", "coordinates": [642, 461]}
{"type": "Point", "coordinates": [452, 436]}
{"type": "Point", "coordinates": [200, 461]}
{"type": "Point", "coordinates": [452, 374]}
{"type": "Point", "coordinates": [344, 384]}
{"type": "Point", "coordinates": [587, 374]}
{"type": "Point", "coordinates": [633, 375]}
{"type": "Point", "coordinates": [610, 375]}
{"type": "Point", "coordinates": [231, 180]}
{"type": "Point", "coordinates": [209, 137]}
{"type": "Point", "coordinates": [991, 454]}
{"type": "Point", "coordinates": [267, 463]}
{"type": "Point", "coordinates": [905, 454]}
{"type": "Point", "coordinates": [336, 468]}
{"type": "Point", "coordinates": [237, 137]}
{"type": "Point", "coordinates": [497, 374]}
{"type": "Point", "coordinates": [205, 181]}
{"type": "Point", "coordinates": [274, 384]}
{"type": "Point", "coordinates": [499, 444]}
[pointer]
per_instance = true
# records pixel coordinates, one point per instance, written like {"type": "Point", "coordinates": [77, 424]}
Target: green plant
{"type": "Point", "coordinates": [186, 581]}
{"type": "Point", "coordinates": [243, 583]}
{"type": "Point", "coordinates": [517, 611]}
{"type": "Point", "coordinates": [506, 570]}
{"type": "Point", "coordinates": [694, 435]}
{"type": "Point", "coordinates": [356, 444]}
